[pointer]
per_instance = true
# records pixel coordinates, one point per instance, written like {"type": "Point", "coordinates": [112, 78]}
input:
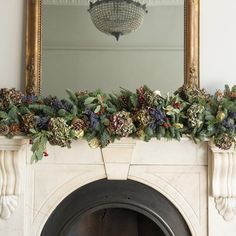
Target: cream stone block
{"type": "Point", "coordinates": [117, 158]}
{"type": "Point", "coordinates": [165, 152]}
{"type": "Point", "coordinates": [79, 153]}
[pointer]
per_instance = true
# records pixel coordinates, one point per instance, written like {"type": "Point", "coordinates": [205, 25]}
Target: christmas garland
{"type": "Point", "coordinates": [101, 119]}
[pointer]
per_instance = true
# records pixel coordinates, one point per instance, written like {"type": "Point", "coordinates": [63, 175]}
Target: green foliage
{"type": "Point", "coordinates": [100, 118]}
{"type": "Point", "coordinates": [38, 148]}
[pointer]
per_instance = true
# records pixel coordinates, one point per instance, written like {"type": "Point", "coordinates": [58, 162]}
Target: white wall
{"type": "Point", "coordinates": [218, 37]}
{"type": "Point", "coordinates": [12, 14]}
{"type": "Point", "coordinates": [218, 43]}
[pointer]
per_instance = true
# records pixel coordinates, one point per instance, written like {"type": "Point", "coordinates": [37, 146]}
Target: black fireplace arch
{"type": "Point", "coordinates": [114, 196]}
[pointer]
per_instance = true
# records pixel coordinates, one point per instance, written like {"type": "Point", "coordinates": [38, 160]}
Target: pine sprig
{"type": "Point", "coordinates": [101, 119]}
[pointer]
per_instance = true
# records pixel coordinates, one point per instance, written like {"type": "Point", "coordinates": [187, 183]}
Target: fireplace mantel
{"type": "Point", "coordinates": [192, 176]}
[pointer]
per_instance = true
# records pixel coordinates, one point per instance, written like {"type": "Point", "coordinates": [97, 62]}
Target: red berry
{"type": "Point", "coordinates": [177, 105]}
{"type": "Point", "coordinates": [45, 154]}
{"type": "Point", "coordinates": [30, 141]}
{"type": "Point", "coordinates": [166, 125]}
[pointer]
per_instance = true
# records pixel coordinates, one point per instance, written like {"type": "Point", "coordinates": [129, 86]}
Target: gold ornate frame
{"type": "Point", "coordinates": [33, 45]}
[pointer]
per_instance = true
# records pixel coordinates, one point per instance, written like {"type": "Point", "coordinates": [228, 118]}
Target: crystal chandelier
{"type": "Point", "coordinates": [117, 17]}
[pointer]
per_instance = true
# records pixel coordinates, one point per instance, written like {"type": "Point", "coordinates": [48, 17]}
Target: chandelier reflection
{"type": "Point", "coordinates": [117, 17]}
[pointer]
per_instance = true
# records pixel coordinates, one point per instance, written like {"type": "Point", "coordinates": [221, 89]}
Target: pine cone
{"type": "Point", "coordinates": [224, 141]}
{"type": "Point", "coordinates": [233, 95]}
{"type": "Point", "coordinates": [27, 123]}
{"type": "Point", "coordinates": [141, 96]}
{"type": "Point", "coordinates": [14, 129]}
{"type": "Point", "coordinates": [4, 129]}
{"type": "Point", "coordinates": [61, 132]}
{"type": "Point", "coordinates": [121, 124]}
{"type": "Point", "coordinates": [9, 96]}
{"type": "Point", "coordinates": [79, 124]}
{"type": "Point", "coordinates": [5, 103]}
{"type": "Point", "coordinates": [146, 97]}
{"type": "Point", "coordinates": [124, 101]}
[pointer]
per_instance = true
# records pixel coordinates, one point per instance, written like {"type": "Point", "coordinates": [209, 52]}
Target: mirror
{"type": "Point", "coordinates": [162, 53]}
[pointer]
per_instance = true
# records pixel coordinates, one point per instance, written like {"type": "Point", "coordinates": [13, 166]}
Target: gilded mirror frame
{"type": "Point", "coordinates": [34, 43]}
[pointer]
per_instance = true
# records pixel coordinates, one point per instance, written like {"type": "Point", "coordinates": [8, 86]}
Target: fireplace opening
{"type": "Point", "coordinates": [115, 222]}
{"type": "Point", "coordinates": [115, 208]}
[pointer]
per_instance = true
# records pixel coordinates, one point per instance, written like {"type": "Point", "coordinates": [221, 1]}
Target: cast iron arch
{"type": "Point", "coordinates": [127, 194]}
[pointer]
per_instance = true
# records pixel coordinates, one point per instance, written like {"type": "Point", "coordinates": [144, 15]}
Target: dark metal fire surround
{"type": "Point", "coordinates": [105, 194]}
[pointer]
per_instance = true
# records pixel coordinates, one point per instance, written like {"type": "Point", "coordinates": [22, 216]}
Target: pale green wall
{"type": "Point", "coordinates": [76, 55]}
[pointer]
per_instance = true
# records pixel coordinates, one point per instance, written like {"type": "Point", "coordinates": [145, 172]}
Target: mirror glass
{"type": "Point", "coordinates": [76, 55]}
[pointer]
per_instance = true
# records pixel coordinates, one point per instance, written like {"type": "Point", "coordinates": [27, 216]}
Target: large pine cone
{"type": "Point", "coordinates": [4, 129]}
{"type": "Point", "coordinates": [27, 122]}
{"type": "Point", "coordinates": [79, 124]}
{"type": "Point", "coordinates": [14, 129]}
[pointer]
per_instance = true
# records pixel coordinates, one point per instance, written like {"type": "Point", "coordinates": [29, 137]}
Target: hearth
{"type": "Point", "coordinates": [115, 208]}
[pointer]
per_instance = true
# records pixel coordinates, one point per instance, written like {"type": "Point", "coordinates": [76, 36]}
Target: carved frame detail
{"type": "Point", "coordinates": [33, 45]}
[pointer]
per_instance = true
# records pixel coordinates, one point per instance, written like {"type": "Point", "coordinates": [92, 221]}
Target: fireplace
{"type": "Point", "coordinates": [155, 188]}
{"type": "Point", "coordinates": [115, 208]}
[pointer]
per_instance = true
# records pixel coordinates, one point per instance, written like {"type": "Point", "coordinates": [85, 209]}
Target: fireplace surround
{"type": "Point", "coordinates": [197, 181]}
{"type": "Point", "coordinates": [115, 197]}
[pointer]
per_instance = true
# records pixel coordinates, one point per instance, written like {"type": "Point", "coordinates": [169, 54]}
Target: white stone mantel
{"type": "Point", "coordinates": [179, 170]}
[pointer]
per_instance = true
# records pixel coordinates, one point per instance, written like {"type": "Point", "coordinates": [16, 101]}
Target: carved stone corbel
{"type": "Point", "coordinates": [9, 175]}
{"type": "Point", "coordinates": [224, 181]}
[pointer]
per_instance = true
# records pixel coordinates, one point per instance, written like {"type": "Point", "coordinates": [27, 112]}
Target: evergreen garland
{"type": "Point", "coordinates": [102, 118]}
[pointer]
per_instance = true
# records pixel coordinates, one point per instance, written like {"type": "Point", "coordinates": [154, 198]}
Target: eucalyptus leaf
{"type": "Point", "coordinates": [98, 108]}
{"type": "Point", "coordinates": [89, 100]}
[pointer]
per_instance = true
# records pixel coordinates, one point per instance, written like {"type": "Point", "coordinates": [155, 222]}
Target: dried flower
{"type": "Point", "coordinates": [224, 141]}
{"type": "Point", "coordinates": [178, 126]}
{"type": "Point", "coordinates": [121, 124]}
{"type": "Point", "coordinates": [94, 143]}
{"type": "Point", "coordinates": [220, 115]}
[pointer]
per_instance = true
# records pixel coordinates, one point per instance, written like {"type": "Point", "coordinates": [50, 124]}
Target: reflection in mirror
{"type": "Point", "coordinates": [76, 55]}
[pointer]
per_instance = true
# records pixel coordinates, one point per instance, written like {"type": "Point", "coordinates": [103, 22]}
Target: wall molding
{"type": "Point", "coordinates": [98, 48]}
{"type": "Point", "coordinates": [85, 2]}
